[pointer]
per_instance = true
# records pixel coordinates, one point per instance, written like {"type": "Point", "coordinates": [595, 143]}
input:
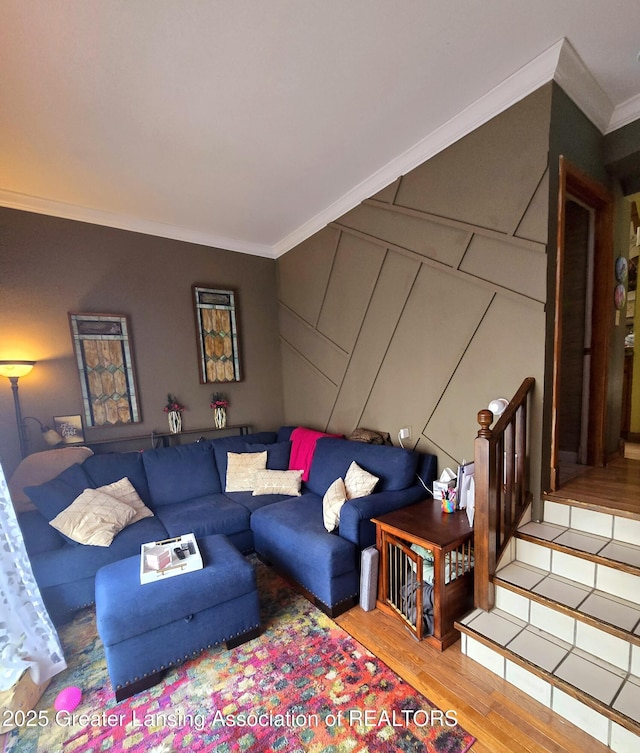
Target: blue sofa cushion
{"type": "Point", "coordinates": [72, 563]}
{"type": "Point", "coordinates": [253, 503]}
{"type": "Point", "coordinates": [113, 466]}
{"type": "Point", "coordinates": [176, 474]}
{"type": "Point", "coordinates": [56, 495]}
{"type": "Point", "coordinates": [277, 454]}
{"type": "Point", "coordinates": [284, 433]}
{"type": "Point", "coordinates": [395, 467]}
{"type": "Point", "coordinates": [295, 531]}
{"type": "Point", "coordinates": [204, 516]}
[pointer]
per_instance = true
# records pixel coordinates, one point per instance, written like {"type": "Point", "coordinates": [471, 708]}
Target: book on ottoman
{"type": "Point", "coordinates": [164, 559]}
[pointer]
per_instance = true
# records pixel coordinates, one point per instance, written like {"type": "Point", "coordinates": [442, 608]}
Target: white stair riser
{"type": "Point", "coordinates": [589, 521]}
{"type": "Point", "coordinates": [608, 732]}
{"type": "Point", "coordinates": [602, 644]}
{"type": "Point", "coordinates": [615, 582]}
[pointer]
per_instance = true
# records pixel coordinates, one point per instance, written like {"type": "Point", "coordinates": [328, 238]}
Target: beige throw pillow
{"type": "Point", "coordinates": [94, 518]}
{"type": "Point", "coordinates": [124, 491]}
{"type": "Point", "coordinates": [241, 470]}
{"type": "Point", "coordinates": [334, 498]}
{"type": "Point", "coordinates": [277, 482]}
{"type": "Point", "coordinates": [359, 482]}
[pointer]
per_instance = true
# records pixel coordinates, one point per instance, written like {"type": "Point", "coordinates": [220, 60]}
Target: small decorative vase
{"type": "Point", "coordinates": [219, 417]}
{"type": "Point", "coordinates": [175, 421]}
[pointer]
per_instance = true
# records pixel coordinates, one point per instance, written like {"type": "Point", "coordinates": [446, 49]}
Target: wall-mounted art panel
{"type": "Point", "coordinates": [353, 279]}
{"type": "Point", "coordinates": [394, 284]}
{"type": "Point", "coordinates": [315, 347]}
{"type": "Point", "coordinates": [436, 326]}
{"type": "Point", "coordinates": [521, 268]}
{"type": "Point", "coordinates": [435, 240]}
{"type": "Point", "coordinates": [486, 179]}
{"type": "Point", "coordinates": [303, 274]}
{"type": "Point", "coordinates": [217, 334]}
{"type": "Point", "coordinates": [511, 334]}
{"type": "Point", "coordinates": [104, 355]}
{"type": "Point", "coordinates": [310, 395]}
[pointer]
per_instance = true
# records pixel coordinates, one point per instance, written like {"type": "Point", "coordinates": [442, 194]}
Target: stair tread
{"type": "Point", "coordinates": [596, 680]}
{"type": "Point", "coordinates": [622, 614]}
{"type": "Point", "coordinates": [606, 547]}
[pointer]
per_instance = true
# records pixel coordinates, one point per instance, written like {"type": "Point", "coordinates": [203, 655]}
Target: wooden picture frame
{"type": "Point", "coordinates": [216, 318]}
{"type": "Point", "coordinates": [104, 357]}
{"type": "Point", "coordinates": [69, 428]}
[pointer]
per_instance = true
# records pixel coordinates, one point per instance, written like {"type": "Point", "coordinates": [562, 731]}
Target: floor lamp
{"type": "Point", "coordinates": [13, 370]}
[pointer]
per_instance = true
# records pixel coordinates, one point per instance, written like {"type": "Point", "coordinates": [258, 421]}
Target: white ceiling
{"type": "Point", "coordinates": [250, 124]}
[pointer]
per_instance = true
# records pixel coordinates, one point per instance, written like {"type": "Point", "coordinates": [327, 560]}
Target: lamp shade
{"type": "Point", "coordinates": [51, 436]}
{"type": "Point", "coordinates": [15, 368]}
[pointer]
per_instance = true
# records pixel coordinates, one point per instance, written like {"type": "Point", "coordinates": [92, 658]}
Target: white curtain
{"type": "Point", "coordinates": [28, 639]}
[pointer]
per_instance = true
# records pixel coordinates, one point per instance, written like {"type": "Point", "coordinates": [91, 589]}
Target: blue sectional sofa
{"type": "Point", "coordinates": [184, 487]}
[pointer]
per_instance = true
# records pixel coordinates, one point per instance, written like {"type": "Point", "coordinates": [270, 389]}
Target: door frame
{"type": "Point", "coordinates": [573, 183]}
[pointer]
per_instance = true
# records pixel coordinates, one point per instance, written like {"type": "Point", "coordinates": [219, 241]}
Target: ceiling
{"type": "Point", "coordinates": [250, 124]}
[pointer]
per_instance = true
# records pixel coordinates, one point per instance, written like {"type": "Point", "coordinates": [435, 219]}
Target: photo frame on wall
{"type": "Point", "coordinates": [104, 357]}
{"type": "Point", "coordinates": [217, 334]}
{"type": "Point", "coordinates": [69, 428]}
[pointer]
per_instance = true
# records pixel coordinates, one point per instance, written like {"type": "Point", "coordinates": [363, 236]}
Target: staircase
{"type": "Point", "coordinates": [565, 628]}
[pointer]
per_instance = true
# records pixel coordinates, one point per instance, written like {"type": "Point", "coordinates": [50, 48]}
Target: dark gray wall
{"type": "Point", "coordinates": [51, 266]}
{"type": "Point", "coordinates": [573, 136]}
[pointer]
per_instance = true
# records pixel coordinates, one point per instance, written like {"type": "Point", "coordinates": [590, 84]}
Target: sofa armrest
{"type": "Point", "coordinates": [356, 514]}
{"type": "Point", "coordinates": [38, 535]}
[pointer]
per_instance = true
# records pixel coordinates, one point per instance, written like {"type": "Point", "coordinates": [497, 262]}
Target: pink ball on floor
{"type": "Point", "coordinates": [67, 699]}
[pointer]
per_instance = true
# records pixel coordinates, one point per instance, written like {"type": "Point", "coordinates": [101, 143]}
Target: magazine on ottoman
{"type": "Point", "coordinates": [164, 559]}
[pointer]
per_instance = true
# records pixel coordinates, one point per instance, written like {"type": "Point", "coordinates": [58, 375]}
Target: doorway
{"type": "Point", "coordinates": [583, 310]}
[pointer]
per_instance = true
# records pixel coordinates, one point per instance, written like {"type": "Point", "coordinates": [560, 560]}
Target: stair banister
{"type": "Point", "coordinates": [501, 487]}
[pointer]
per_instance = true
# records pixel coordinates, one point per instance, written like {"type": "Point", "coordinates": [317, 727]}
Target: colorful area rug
{"type": "Point", "coordinates": [303, 685]}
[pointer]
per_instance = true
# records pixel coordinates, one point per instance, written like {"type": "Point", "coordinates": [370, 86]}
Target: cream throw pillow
{"type": "Point", "coordinates": [359, 482]}
{"type": "Point", "coordinates": [334, 498]}
{"type": "Point", "coordinates": [94, 518]}
{"type": "Point", "coordinates": [277, 482]}
{"type": "Point", "coordinates": [241, 470]}
{"type": "Point", "coordinates": [124, 491]}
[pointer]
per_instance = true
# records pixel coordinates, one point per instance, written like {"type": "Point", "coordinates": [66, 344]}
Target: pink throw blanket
{"type": "Point", "coordinates": [303, 445]}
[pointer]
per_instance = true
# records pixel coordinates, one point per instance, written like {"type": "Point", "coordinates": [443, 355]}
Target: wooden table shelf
{"type": "Point", "coordinates": [162, 439]}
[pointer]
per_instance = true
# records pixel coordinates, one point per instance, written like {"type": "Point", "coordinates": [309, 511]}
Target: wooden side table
{"type": "Point", "coordinates": [404, 580]}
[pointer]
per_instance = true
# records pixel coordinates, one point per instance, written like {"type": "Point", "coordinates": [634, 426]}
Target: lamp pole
{"type": "Point", "coordinates": [21, 428]}
{"type": "Point", "coordinates": [13, 370]}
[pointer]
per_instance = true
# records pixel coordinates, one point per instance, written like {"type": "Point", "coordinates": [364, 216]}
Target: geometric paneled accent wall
{"type": "Point", "coordinates": [425, 302]}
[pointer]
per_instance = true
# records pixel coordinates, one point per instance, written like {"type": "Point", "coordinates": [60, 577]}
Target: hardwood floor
{"type": "Point", "coordinates": [501, 717]}
{"type": "Point", "coordinates": [614, 487]}
{"type": "Point", "coordinates": [498, 714]}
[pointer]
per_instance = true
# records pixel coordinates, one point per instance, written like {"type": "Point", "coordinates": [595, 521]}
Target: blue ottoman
{"type": "Point", "coordinates": [146, 629]}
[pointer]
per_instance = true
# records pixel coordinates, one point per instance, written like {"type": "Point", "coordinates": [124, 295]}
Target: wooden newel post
{"type": "Point", "coordinates": [485, 515]}
{"type": "Point", "coordinates": [485, 419]}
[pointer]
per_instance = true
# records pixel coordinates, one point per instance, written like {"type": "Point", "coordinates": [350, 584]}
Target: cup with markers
{"type": "Point", "coordinates": [449, 500]}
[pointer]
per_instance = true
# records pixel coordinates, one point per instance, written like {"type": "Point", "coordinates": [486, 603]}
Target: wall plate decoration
{"type": "Point", "coordinates": [104, 358]}
{"type": "Point", "coordinates": [619, 296]}
{"type": "Point", "coordinates": [217, 334]}
{"type": "Point", "coordinates": [622, 269]}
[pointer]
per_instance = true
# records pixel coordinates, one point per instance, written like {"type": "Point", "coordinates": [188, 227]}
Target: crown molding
{"type": "Point", "coordinates": [523, 82]}
{"type": "Point", "coordinates": [27, 203]}
{"type": "Point", "coordinates": [579, 84]}
{"type": "Point", "coordinates": [625, 113]}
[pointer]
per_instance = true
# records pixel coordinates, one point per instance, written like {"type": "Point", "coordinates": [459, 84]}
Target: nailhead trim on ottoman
{"type": "Point", "coordinates": [148, 628]}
